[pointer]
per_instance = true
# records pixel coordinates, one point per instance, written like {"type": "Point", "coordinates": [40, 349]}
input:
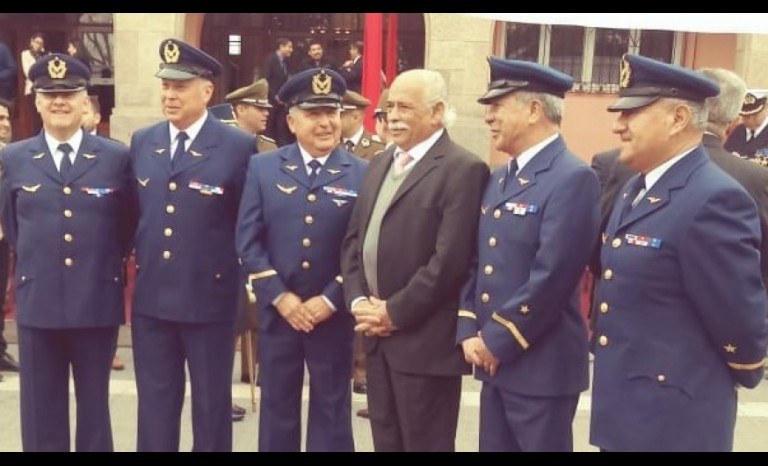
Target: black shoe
{"type": "Point", "coordinates": [238, 413]}
{"type": "Point", "coordinates": [360, 387]}
{"type": "Point", "coordinates": [7, 363]}
{"type": "Point", "coordinates": [363, 413]}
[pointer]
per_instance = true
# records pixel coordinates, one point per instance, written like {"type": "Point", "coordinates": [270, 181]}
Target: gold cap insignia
{"type": "Point", "coordinates": [57, 68]}
{"type": "Point", "coordinates": [171, 52]}
{"type": "Point", "coordinates": [321, 83]}
{"type": "Point", "coordinates": [625, 73]}
{"type": "Point", "coordinates": [749, 99]}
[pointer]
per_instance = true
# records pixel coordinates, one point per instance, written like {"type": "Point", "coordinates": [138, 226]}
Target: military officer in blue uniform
{"type": "Point", "coordinates": [190, 172]}
{"type": "Point", "coordinates": [681, 306]}
{"type": "Point", "coordinates": [68, 211]}
{"type": "Point", "coordinates": [519, 321]}
{"type": "Point", "coordinates": [293, 217]}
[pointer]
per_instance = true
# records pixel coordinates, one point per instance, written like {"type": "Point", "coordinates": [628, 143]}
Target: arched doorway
{"type": "Point", "coordinates": [95, 33]}
{"type": "Point", "coordinates": [241, 41]}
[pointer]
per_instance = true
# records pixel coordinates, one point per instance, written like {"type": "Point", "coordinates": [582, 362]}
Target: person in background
{"type": "Point", "coordinates": [7, 74]}
{"type": "Point", "coordinates": [352, 69]}
{"type": "Point", "coordinates": [380, 116]}
{"type": "Point", "coordinates": [29, 56]}
{"type": "Point", "coordinates": [250, 108]}
{"type": "Point", "coordinates": [276, 69]}
{"type": "Point", "coordinates": [7, 362]}
{"type": "Point", "coordinates": [749, 139]}
{"type": "Point", "coordinates": [68, 210]}
{"type": "Point", "coordinates": [354, 137]}
{"type": "Point", "coordinates": [76, 49]}
{"type": "Point", "coordinates": [316, 57]}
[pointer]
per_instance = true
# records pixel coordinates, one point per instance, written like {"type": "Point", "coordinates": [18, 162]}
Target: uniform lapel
{"type": "Point", "coordinates": [293, 165]}
{"type": "Point", "coordinates": [428, 163]}
{"type": "Point", "coordinates": [42, 158]}
{"type": "Point", "coordinates": [659, 194]}
{"type": "Point", "coordinates": [161, 147]}
{"type": "Point", "coordinates": [86, 159]}
{"type": "Point", "coordinates": [204, 144]}
{"type": "Point", "coordinates": [335, 167]}
{"type": "Point", "coordinates": [528, 175]}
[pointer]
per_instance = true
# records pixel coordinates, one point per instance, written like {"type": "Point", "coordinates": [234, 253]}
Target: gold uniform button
{"type": "Point", "coordinates": [309, 220]}
{"type": "Point", "coordinates": [67, 190]}
{"type": "Point", "coordinates": [306, 242]}
{"type": "Point", "coordinates": [488, 270]}
{"type": "Point", "coordinates": [68, 213]}
{"type": "Point", "coordinates": [492, 242]}
{"type": "Point", "coordinates": [661, 378]}
{"type": "Point", "coordinates": [496, 213]}
{"type": "Point", "coordinates": [305, 265]}
{"type": "Point", "coordinates": [218, 276]}
{"type": "Point", "coordinates": [485, 297]}
{"type": "Point", "coordinates": [603, 340]}
{"type": "Point", "coordinates": [603, 307]}
{"type": "Point", "coordinates": [117, 279]}
{"type": "Point", "coordinates": [170, 208]}
{"type": "Point", "coordinates": [608, 274]}
{"type": "Point", "coordinates": [311, 197]}
{"type": "Point", "coordinates": [67, 237]}
{"type": "Point", "coordinates": [68, 262]}
{"type": "Point", "coordinates": [616, 243]}
{"type": "Point", "coordinates": [166, 255]}
{"type": "Point", "coordinates": [172, 186]}
{"type": "Point", "coordinates": [23, 278]}
{"type": "Point", "coordinates": [168, 232]}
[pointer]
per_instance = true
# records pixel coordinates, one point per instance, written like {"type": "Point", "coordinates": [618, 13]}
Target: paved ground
{"type": "Point", "coordinates": [751, 428]}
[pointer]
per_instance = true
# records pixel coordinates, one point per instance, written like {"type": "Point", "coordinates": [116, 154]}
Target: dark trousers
{"type": "Point", "coordinates": [514, 422]}
{"type": "Point", "coordinates": [411, 412]}
{"type": "Point", "coordinates": [160, 350]}
{"type": "Point", "coordinates": [327, 351]}
{"type": "Point", "coordinates": [47, 355]}
{"type": "Point", "coordinates": [4, 266]}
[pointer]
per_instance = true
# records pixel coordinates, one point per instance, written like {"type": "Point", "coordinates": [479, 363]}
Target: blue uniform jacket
{"type": "Point", "coordinates": [535, 237]}
{"type": "Point", "coordinates": [186, 262]}
{"type": "Point", "coordinates": [290, 231]}
{"type": "Point", "coordinates": [71, 236]}
{"type": "Point", "coordinates": [681, 313]}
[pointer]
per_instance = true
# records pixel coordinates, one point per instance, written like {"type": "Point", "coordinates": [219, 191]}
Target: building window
{"type": "Point", "coordinates": [590, 55]}
{"type": "Point", "coordinates": [235, 44]}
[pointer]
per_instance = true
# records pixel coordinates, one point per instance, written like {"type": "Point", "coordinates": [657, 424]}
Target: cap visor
{"type": "Point", "coordinates": [494, 94]}
{"type": "Point", "coordinates": [174, 75]}
{"type": "Point", "coordinates": [328, 103]}
{"type": "Point", "coordinates": [629, 103]}
{"type": "Point", "coordinates": [60, 89]}
{"type": "Point", "coordinates": [752, 112]}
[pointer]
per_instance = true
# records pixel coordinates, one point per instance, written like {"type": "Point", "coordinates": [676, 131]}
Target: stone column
{"type": "Point", "coordinates": [752, 59]}
{"type": "Point", "coordinates": [137, 92]}
{"type": "Point", "coordinates": [457, 45]}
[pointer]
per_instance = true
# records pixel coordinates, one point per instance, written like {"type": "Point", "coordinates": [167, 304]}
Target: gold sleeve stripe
{"type": "Point", "coordinates": [512, 329]}
{"type": "Point", "coordinates": [746, 367]}
{"type": "Point", "coordinates": [340, 279]}
{"type": "Point", "coordinates": [467, 314]}
{"type": "Point", "coordinates": [260, 275]}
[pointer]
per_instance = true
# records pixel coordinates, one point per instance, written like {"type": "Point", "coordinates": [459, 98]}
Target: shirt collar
{"type": "Point", "coordinates": [192, 131]}
{"type": "Point", "coordinates": [308, 158]}
{"type": "Point", "coordinates": [654, 175]}
{"type": "Point", "coordinates": [75, 141]}
{"type": "Point", "coordinates": [528, 154]}
{"type": "Point", "coordinates": [359, 135]}
{"type": "Point", "coordinates": [418, 151]}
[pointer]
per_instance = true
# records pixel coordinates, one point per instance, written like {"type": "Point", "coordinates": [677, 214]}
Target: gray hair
{"type": "Point", "coordinates": [698, 111]}
{"type": "Point", "coordinates": [724, 107]}
{"type": "Point", "coordinates": [435, 91]}
{"type": "Point", "coordinates": [554, 107]}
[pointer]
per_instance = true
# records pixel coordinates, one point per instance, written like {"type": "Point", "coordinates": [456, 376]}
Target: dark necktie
{"type": "Point", "coordinates": [66, 162]}
{"type": "Point", "coordinates": [511, 172]}
{"type": "Point", "coordinates": [178, 154]}
{"type": "Point", "coordinates": [634, 195]}
{"type": "Point", "coordinates": [349, 145]}
{"type": "Point", "coordinates": [314, 165]}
